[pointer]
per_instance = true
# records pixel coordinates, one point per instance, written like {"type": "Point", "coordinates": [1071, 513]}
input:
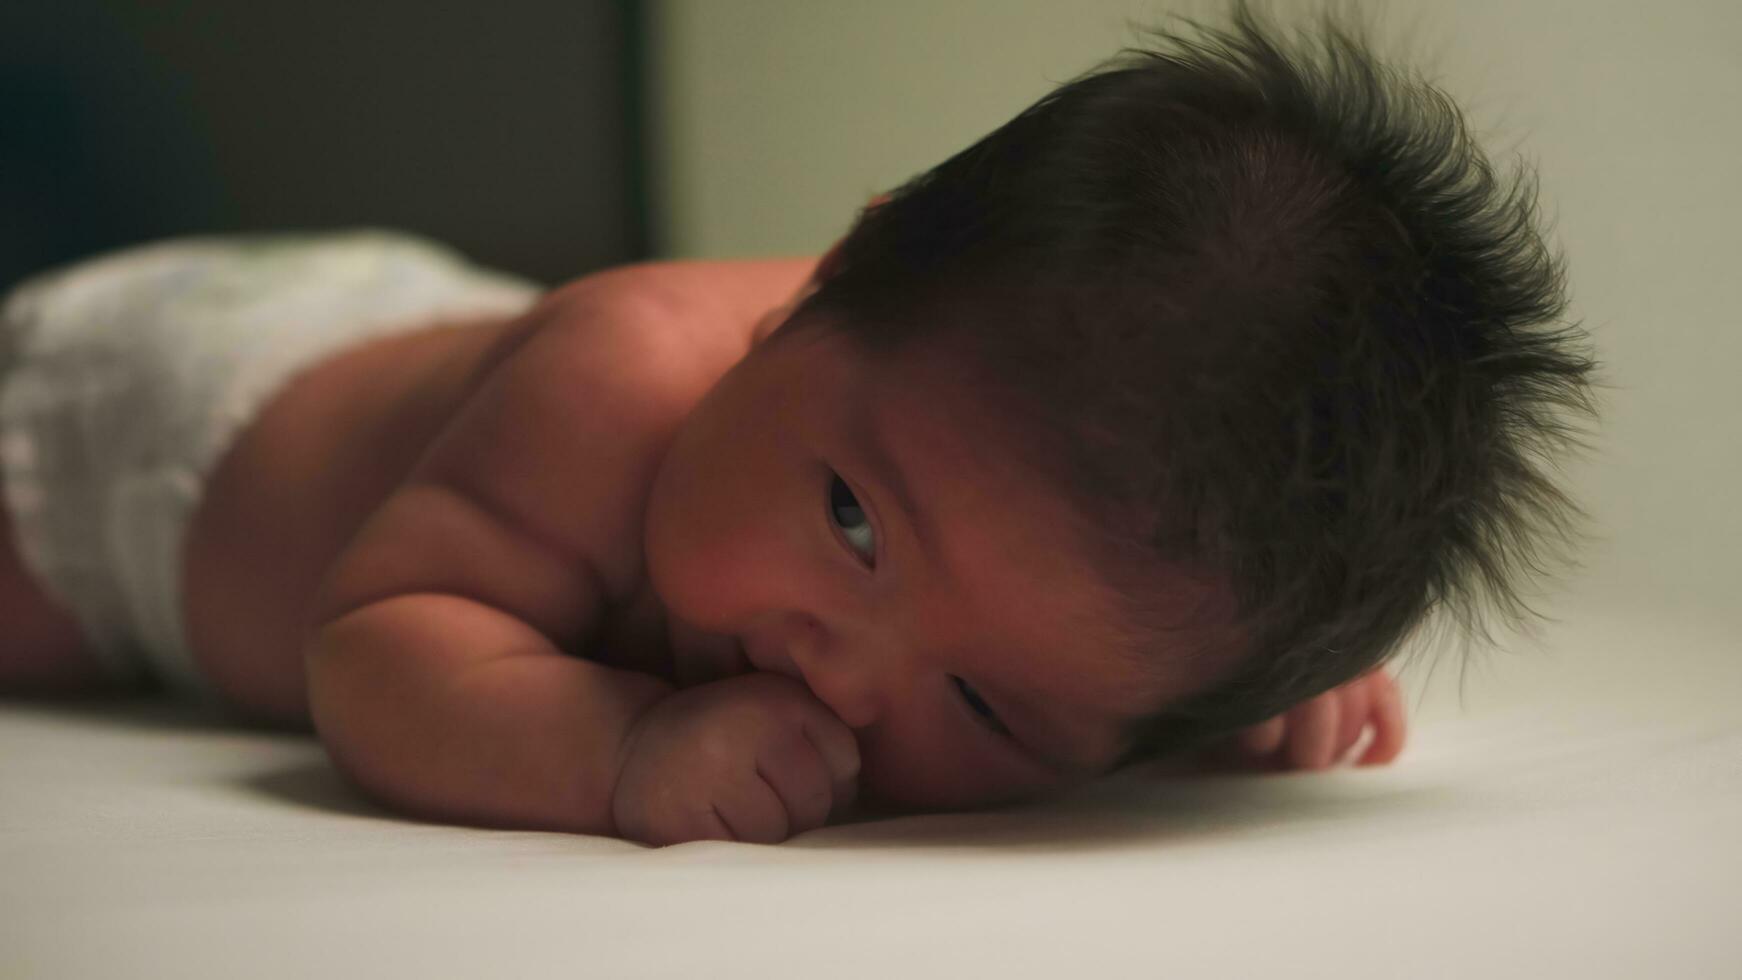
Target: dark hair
{"type": "Point", "coordinates": [1275, 320]}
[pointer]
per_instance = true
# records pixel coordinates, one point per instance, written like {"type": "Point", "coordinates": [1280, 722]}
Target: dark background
{"type": "Point", "coordinates": [509, 130]}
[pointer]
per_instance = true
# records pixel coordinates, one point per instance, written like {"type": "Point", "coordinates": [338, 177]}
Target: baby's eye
{"type": "Point", "coordinates": [978, 705]}
{"type": "Point", "coordinates": [845, 512]}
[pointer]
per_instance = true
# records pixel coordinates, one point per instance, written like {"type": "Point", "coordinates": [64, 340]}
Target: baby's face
{"type": "Point", "coordinates": [840, 521]}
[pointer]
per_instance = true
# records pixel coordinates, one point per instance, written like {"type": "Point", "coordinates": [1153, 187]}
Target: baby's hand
{"type": "Point", "coordinates": [1316, 733]}
{"type": "Point", "coordinates": [748, 758]}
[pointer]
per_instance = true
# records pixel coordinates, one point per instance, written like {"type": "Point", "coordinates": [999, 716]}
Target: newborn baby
{"type": "Point", "coordinates": [1157, 418]}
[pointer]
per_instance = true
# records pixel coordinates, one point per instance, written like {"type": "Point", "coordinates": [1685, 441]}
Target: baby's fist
{"type": "Point", "coordinates": [1321, 731]}
{"type": "Point", "coordinates": [751, 758]}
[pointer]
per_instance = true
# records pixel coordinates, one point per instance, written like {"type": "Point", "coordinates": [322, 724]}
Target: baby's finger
{"type": "Point", "coordinates": [839, 750]}
{"type": "Point", "coordinates": [708, 826]}
{"type": "Point", "coordinates": [751, 811]}
{"type": "Point", "coordinates": [1312, 732]}
{"type": "Point", "coordinates": [1356, 701]}
{"type": "Point", "coordinates": [681, 828]}
{"type": "Point", "coordinates": [798, 775]}
{"type": "Point", "coordinates": [1262, 739]}
{"type": "Point", "coordinates": [1388, 725]}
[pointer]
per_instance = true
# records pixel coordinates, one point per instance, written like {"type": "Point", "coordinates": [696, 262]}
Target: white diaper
{"type": "Point", "coordinates": [124, 378]}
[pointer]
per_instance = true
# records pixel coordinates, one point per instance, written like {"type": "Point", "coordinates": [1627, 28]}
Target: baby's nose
{"type": "Point", "coordinates": [839, 675]}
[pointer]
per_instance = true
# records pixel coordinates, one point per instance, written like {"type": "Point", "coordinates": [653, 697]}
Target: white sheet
{"type": "Point", "coordinates": [1587, 828]}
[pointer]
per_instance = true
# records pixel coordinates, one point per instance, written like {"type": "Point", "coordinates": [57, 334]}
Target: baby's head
{"type": "Point", "coordinates": [1179, 399]}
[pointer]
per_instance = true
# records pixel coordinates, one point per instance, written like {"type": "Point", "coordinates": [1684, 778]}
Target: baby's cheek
{"type": "Point", "coordinates": [680, 555]}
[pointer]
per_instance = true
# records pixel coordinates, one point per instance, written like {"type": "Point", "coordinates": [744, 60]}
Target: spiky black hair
{"type": "Point", "coordinates": [1280, 323]}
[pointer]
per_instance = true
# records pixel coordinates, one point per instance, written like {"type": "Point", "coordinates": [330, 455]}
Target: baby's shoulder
{"type": "Point", "coordinates": [624, 341]}
{"type": "Point", "coordinates": [571, 415]}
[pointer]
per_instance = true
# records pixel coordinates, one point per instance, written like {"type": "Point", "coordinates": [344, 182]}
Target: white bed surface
{"type": "Point", "coordinates": [1584, 825]}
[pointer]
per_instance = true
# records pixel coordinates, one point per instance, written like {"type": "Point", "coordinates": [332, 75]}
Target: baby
{"type": "Point", "coordinates": [1156, 419]}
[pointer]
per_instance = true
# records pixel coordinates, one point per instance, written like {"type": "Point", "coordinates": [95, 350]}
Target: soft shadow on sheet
{"type": "Point", "coordinates": [1145, 806]}
{"type": "Point", "coordinates": [1148, 805]}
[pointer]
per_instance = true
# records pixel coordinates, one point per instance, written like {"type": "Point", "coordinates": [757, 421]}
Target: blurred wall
{"type": "Point", "coordinates": [503, 129]}
{"type": "Point", "coordinates": [775, 119]}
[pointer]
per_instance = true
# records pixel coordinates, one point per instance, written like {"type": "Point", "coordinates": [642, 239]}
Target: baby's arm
{"type": "Point", "coordinates": [436, 672]}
